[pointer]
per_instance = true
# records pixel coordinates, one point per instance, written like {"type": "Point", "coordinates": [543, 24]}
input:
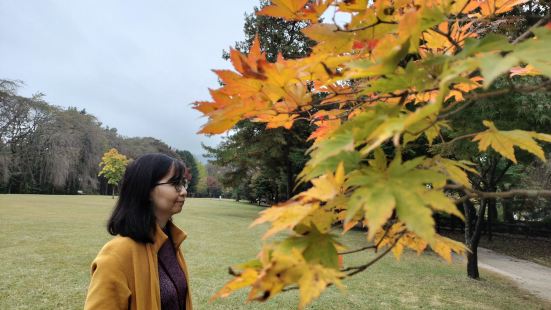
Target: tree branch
{"type": "Point", "coordinates": [377, 22]}
{"type": "Point", "coordinates": [529, 31]}
{"type": "Point", "coordinates": [358, 269]}
{"type": "Point", "coordinates": [358, 250]}
{"type": "Point", "coordinates": [472, 193]}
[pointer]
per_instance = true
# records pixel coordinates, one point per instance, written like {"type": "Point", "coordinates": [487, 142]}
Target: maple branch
{"type": "Point", "coordinates": [529, 31]}
{"type": "Point", "coordinates": [388, 225]}
{"type": "Point", "coordinates": [446, 115]}
{"type": "Point", "coordinates": [472, 193]}
{"type": "Point", "coordinates": [377, 22]}
{"type": "Point", "coordinates": [358, 269]}
{"type": "Point", "coordinates": [459, 138]}
{"type": "Point", "coordinates": [470, 98]}
{"type": "Point", "coordinates": [358, 250]}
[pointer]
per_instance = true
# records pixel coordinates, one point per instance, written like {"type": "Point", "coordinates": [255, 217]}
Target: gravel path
{"type": "Point", "coordinates": [527, 275]}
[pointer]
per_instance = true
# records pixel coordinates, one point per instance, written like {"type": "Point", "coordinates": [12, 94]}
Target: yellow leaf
{"type": "Point", "coordinates": [326, 186]}
{"type": "Point", "coordinates": [286, 9]}
{"type": "Point", "coordinates": [329, 40]}
{"type": "Point", "coordinates": [246, 278]}
{"type": "Point", "coordinates": [527, 70]}
{"type": "Point", "coordinates": [503, 142]}
{"type": "Point", "coordinates": [440, 202]}
{"type": "Point", "coordinates": [452, 168]}
{"type": "Point", "coordinates": [314, 280]}
{"type": "Point", "coordinates": [283, 216]}
{"type": "Point", "coordinates": [339, 174]}
{"type": "Point", "coordinates": [444, 247]}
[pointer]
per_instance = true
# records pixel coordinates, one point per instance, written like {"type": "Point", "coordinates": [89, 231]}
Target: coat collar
{"type": "Point", "coordinates": [178, 236]}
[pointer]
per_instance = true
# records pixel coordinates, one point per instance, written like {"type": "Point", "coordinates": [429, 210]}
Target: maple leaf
{"type": "Point", "coordinates": [494, 7]}
{"type": "Point", "coordinates": [286, 9]}
{"type": "Point", "coordinates": [325, 128]}
{"type": "Point", "coordinates": [454, 169]}
{"type": "Point", "coordinates": [326, 187]}
{"type": "Point", "coordinates": [381, 189]}
{"type": "Point", "coordinates": [504, 142]}
{"type": "Point", "coordinates": [377, 202]}
{"type": "Point", "coordinates": [444, 247]}
{"type": "Point", "coordinates": [251, 65]}
{"type": "Point", "coordinates": [353, 6]}
{"type": "Point", "coordinates": [315, 9]}
{"type": "Point", "coordinates": [274, 121]}
{"type": "Point", "coordinates": [398, 236]}
{"type": "Point", "coordinates": [527, 70]}
{"type": "Point", "coordinates": [328, 39]}
{"type": "Point", "coordinates": [246, 278]}
{"type": "Point", "coordinates": [283, 216]}
{"type": "Point", "coordinates": [314, 280]}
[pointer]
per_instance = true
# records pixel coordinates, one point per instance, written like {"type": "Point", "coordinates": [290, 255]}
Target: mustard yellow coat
{"type": "Point", "coordinates": [125, 273]}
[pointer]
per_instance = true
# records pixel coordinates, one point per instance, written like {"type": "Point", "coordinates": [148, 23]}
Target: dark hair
{"type": "Point", "coordinates": [133, 215]}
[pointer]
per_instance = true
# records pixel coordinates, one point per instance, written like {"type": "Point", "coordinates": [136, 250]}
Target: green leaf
{"type": "Point", "coordinates": [351, 159]}
{"type": "Point", "coordinates": [411, 209]}
{"type": "Point", "coordinates": [316, 247]}
{"type": "Point", "coordinates": [536, 51]}
{"type": "Point", "coordinates": [378, 205]}
{"type": "Point", "coordinates": [493, 65]}
{"type": "Point", "coordinates": [330, 147]}
{"type": "Point", "coordinates": [440, 202]}
{"type": "Point", "coordinates": [490, 42]}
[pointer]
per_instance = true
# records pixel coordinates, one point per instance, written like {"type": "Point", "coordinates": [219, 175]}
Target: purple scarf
{"type": "Point", "coordinates": [172, 279]}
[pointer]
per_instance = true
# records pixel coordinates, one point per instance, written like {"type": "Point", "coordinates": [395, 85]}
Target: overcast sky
{"type": "Point", "coordinates": [136, 65]}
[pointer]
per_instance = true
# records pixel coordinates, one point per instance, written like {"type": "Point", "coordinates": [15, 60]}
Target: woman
{"type": "Point", "coordinates": [142, 267]}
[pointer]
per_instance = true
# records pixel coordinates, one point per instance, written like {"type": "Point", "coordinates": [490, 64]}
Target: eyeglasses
{"type": "Point", "coordinates": [177, 185]}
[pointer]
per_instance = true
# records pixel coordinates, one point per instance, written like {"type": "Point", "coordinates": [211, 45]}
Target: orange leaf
{"type": "Point", "coordinates": [493, 7]}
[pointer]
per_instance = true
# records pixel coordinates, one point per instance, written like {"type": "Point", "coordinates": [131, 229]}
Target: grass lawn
{"type": "Point", "coordinates": [48, 242]}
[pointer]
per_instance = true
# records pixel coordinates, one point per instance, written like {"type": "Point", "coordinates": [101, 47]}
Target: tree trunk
{"type": "Point", "coordinates": [473, 229]}
{"type": "Point", "coordinates": [288, 170]}
{"type": "Point", "coordinates": [507, 211]}
{"type": "Point", "coordinates": [113, 192]}
{"type": "Point", "coordinates": [472, 263]}
{"type": "Point", "coordinates": [472, 258]}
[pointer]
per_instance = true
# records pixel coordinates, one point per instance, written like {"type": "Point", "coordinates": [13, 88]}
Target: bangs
{"type": "Point", "coordinates": [179, 172]}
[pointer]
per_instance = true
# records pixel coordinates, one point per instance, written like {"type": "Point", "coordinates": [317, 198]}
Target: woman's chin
{"type": "Point", "coordinates": [178, 207]}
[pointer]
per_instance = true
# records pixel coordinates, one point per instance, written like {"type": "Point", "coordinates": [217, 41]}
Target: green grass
{"type": "Point", "coordinates": [48, 242]}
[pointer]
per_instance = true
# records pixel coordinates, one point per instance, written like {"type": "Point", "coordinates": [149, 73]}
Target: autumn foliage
{"type": "Point", "coordinates": [113, 164]}
{"type": "Point", "coordinates": [391, 76]}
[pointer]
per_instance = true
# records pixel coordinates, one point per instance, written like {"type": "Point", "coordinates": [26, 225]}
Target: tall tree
{"type": "Point", "coordinates": [527, 111]}
{"type": "Point", "coordinates": [191, 164]}
{"type": "Point", "coordinates": [252, 152]}
{"type": "Point", "coordinates": [391, 77]}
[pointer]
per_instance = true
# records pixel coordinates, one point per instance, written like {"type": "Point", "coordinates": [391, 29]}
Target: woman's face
{"type": "Point", "coordinates": [166, 200]}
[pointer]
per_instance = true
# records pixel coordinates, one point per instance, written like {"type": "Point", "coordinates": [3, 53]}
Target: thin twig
{"type": "Point", "coordinates": [459, 138]}
{"type": "Point", "coordinates": [358, 269]}
{"type": "Point", "coordinates": [529, 31]}
{"type": "Point", "coordinates": [358, 250]}
{"type": "Point", "coordinates": [377, 22]}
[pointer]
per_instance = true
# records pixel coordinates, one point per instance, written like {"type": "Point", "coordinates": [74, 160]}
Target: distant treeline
{"type": "Point", "coordinates": [47, 149]}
